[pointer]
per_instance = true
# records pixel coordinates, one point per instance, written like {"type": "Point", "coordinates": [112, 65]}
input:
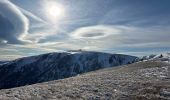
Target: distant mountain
{"type": "Point", "coordinates": [53, 66]}
{"type": "Point", "coordinates": [160, 57]}
{"type": "Point", "coordinates": [149, 80]}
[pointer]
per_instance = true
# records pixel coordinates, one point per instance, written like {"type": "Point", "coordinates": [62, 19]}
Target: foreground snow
{"type": "Point", "coordinates": [148, 80]}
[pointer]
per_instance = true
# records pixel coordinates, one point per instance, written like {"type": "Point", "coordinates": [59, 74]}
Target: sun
{"type": "Point", "coordinates": [54, 11]}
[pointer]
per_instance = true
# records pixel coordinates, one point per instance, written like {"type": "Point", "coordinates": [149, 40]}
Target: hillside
{"type": "Point", "coordinates": [53, 66]}
{"type": "Point", "coordinates": [148, 80]}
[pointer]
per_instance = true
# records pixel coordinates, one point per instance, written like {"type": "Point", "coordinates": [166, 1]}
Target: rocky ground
{"type": "Point", "coordinates": [139, 81]}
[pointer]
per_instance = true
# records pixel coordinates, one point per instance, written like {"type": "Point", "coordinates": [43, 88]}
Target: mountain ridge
{"type": "Point", "coordinates": [53, 66]}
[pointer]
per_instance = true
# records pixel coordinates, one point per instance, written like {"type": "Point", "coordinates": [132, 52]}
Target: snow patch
{"type": "Point", "coordinates": [159, 72]}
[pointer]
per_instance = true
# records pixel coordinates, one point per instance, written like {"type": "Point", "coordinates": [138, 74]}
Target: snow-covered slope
{"type": "Point", "coordinates": [160, 57]}
{"type": "Point", "coordinates": [3, 62]}
{"type": "Point", "coordinates": [55, 66]}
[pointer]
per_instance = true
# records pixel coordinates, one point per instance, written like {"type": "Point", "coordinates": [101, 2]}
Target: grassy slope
{"type": "Point", "coordinates": [139, 81]}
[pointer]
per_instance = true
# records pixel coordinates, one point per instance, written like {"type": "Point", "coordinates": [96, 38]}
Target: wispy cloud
{"type": "Point", "coordinates": [13, 23]}
{"type": "Point", "coordinates": [31, 15]}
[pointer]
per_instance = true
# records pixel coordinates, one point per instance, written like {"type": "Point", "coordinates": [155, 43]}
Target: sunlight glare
{"type": "Point", "coordinates": [54, 11]}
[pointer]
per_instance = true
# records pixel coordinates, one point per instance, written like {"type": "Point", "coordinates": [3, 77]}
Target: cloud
{"type": "Point", "coordinates": [32, 16]}
{"type": "Point", "coordinates": [17, 50]}
{"type": "Point", "coordinates": [13, 24]}
{"type": "Point", "coordinates": [95, 32]}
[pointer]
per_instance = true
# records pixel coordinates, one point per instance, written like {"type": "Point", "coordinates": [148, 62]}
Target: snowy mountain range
{"type": "Point", "coordinates": [53, 66]}
{"type": "Point", "coordinates": [159, 57]}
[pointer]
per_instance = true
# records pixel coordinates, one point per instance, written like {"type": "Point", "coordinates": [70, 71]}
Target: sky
{"type": "Point", "coordinates": [134, 27]}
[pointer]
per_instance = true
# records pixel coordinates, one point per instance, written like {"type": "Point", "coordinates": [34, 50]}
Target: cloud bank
{"type": "Point", "coordinates": [13, 24]}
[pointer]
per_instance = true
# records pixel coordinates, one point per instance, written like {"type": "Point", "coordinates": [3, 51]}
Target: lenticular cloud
{"type": "Point", "coordinates": [95, 32]}
{"type": "Point", "coordinates": [13, 24]}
